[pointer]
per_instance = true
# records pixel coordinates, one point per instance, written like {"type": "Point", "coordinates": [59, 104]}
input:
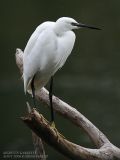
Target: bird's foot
{"type": "Point", "coordinates": [56, 131]}
{"type": "Point", "coordinates": [52, 125]}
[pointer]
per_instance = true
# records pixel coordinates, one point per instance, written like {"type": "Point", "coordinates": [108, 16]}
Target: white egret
{"type": "Point", "coordinates": [46, 51]}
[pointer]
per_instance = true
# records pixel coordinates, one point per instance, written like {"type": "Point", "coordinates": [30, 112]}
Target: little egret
{"type": "Point", "coordinates": [46, 51]}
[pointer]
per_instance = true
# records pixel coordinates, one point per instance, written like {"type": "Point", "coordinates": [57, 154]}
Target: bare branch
{"type": "Point", "coordinates": [38, 146]}
{"type": "Point", "coordinates": [37, 142]}
{"type": "Point", "coordinates": [67, 111]}
{"type": "Point", "coordinates": [52, 137]}
{"type": "Point", "coordinates": [106, 150]}
{"type": "Point", "coordinates": [74, 116]}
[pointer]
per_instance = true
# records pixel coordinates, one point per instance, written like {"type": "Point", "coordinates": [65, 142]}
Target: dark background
{"type": "Point", "coordinates": [90, 79]}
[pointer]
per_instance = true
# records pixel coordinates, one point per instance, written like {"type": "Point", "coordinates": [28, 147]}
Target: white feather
{"type": "Point", "coordinates": [46, 51]}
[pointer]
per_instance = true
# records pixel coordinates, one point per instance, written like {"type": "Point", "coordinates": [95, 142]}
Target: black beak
{"type": "Point", "coordinates": [81, 25]}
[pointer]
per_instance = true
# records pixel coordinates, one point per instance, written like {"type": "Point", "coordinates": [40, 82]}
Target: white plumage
{"type": "Point", "coordinates": [46, 51]}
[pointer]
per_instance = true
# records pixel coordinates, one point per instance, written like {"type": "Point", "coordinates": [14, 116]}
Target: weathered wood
{"type": "Point", "coordinates": [106, 150]}
{"type": "Point", "coordinates": [51, 136]}
{"type": "Point", "coordinates": [37, 142]}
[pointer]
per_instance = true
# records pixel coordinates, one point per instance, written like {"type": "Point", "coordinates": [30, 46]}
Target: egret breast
{"type": "Point", "coordinates": [65, 45]}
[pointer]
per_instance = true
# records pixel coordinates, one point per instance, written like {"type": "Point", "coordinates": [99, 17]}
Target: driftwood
{"type": "Point", "coordinates": [105, 150]}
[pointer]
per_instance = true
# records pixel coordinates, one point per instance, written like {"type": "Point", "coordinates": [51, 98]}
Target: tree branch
{"type": "Point", "coordinates": [105, 151]}
{"type": "Point", "coordinates": [37, 142]}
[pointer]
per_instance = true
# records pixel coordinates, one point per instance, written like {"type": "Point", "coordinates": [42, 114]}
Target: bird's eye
{"type": "Point", "coordinates": [74, 24]}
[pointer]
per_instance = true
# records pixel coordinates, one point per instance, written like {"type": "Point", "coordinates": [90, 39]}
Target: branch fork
{"type": "Point", "coordinates": [105, 150]}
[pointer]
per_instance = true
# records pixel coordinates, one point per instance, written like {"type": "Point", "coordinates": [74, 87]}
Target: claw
{"type": "Point", "coordinates": [56, 131]}
{"type": "Point", "coordinates": [53, 125]}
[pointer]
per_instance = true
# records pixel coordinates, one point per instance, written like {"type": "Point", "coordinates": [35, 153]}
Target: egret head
{"type": "Point", "coordinates": [66, 24]}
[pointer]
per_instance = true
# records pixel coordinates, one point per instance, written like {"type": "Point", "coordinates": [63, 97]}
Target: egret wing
{"type": "Point", "coordinates": [39, 55]}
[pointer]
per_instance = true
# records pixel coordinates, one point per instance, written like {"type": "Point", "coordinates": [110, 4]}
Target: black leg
{"type": "Point", "coordinates": [50, 98]}
{"type": "Point", "coordinates": [33, 91]}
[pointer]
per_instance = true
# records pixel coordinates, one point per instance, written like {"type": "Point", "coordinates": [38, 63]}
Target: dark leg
{"type": "Point", "coordinates": [33, 91]}
{"type": "Point", "coordinates": [50, 98]}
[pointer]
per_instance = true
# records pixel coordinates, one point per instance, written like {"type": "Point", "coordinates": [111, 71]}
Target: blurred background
{"type": "Point", "coordinates": [90, 79]}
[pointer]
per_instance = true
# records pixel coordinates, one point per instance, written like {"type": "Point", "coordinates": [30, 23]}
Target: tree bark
{"type": "Point", "coordinates": [37, 142]}
{"type": "Point", "coordinates": [105, 149]}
